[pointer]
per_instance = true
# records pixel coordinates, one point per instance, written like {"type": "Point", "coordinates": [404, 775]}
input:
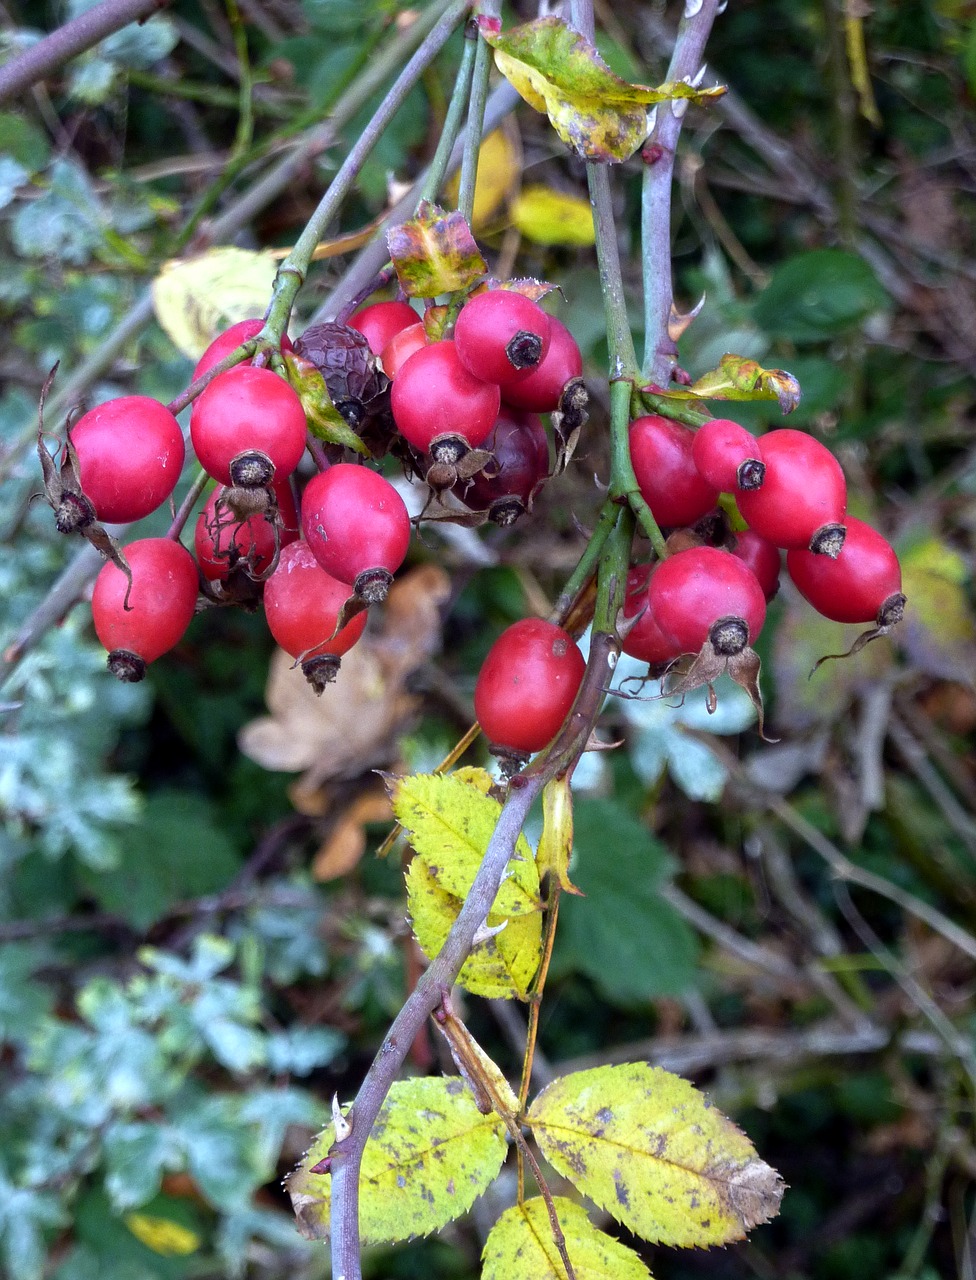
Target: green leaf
{"type": "Point", "coordinates": [560, 73]}
{"type": "Point", "coordinates": [176, 852]}
{"type": "Point", "coordinates": [23, 142]}
{"type": "Point", "coordinates": [435, 253]}
{"type": "Point", "coordinates": [450, 821]}
{"type": "Point", "coordinates": [430, 1154]}
{"type": "Point", "coordinates": [67, 221]}
{"type": "Point", "coordinates": [818, 295]}
{"type": "Point", "coordinates": [501, 965]}
{"type": "Point", "coordinates": [651, 1150]}
{"type": "Point", "coordinates": [622, 934]}
{"type": "Point", "coordinates": [520, 1246]}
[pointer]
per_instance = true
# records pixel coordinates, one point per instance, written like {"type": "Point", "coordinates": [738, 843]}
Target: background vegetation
{"type": "Point", "coordinates": [199, 948]}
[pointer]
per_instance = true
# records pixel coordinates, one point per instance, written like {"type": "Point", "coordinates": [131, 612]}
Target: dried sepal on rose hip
{"type": "Point", "coordinates": [526, 686]}
{"type": "Point", "coordinates": [516, 468]}
{"type": "Point", "coordinates": [307, 614]}
{"type": "Point", "coordinates": [540, 390]}
{"type": "Point", "coordinates": [140, 617]}
{"type": "Point", "coordinates": [711, 605]}
{"type": "Point", "coordinates": [862, 584]}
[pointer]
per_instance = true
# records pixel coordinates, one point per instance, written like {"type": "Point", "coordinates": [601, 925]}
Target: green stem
{"type": "Point", "coordinates": [245, 120]}
{"type": "Point", "coordinates": [476, 117]}
{"type": "Point", "coordinates": [292, 272]}
{"type": "Point", "coordinates": [455, 114]}
{"type": "Point", "coordinates": [185, 508]}
{"type": "Point", "coordinates": [623, 358]}
{"type": "Point", "coordinates": [623, 483]}
{"type": "Point", "coordinates": [677, 410]}
{"type": "Point", "coordinates": [209, 95]}
{"type": "Point", "coordinates": [607, 519]}
{"type": "Point", "coordinates": [611, 576]}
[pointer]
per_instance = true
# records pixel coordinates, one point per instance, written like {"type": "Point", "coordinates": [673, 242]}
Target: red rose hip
{"type": "Point", "coordinates": [247, 427]}
{"type": "Point", "coordinates": [704, 594]}
{"type": "Point", "coordinates": [863, 584]}
{"type": "Point", "coordinates": [527, 685]}
{"type": "Point", "coordinates": [501, 336]}
{"type": "Point", "coordinates": [661, 451]}
{"type": "Point", "coordinates": [803, 496]}
{"type": "Point", "coordinates": [434, 396]}
{"type": "Point", "coordinates": [130, 455]}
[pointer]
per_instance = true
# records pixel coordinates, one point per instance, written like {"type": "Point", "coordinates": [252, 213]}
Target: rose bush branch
{"type": "Point", "coordinates": [660, 352]}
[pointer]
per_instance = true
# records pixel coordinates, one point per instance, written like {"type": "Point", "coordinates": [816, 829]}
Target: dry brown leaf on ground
{"type": "Point", "coordinates": [340, 852]}
{"type": "Point", "coordinates": [355, 725]}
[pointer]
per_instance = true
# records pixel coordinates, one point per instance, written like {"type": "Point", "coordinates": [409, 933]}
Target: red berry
{"type": "Point", "coordinates": [434, 395]}
{"type": "Point", "coordinates": [130, 455]}
{"type": "Point", "coordinates": [519, 465]}
{"type": "Point", "coordinates": [644, 640]}
{"type": "Point", "coordinates": [858, 584]}
{"type": "Point", "coordinates": [803, 493]}
{"type": "Point", "coordinates": [727, 456]}
{"type": "Point", "coordinates": [229, 341]}
{"type": "Point", "coordinates": [140, 623]}
{"type": "Point", "coordinates": [761, 557]}
{"type": "Point", "coordinates": [248, 411]}
{"type": "Point", "coordinates": [661, 451]}
{"type": "Point", "coordinates": [540, 390]}
{"type": "Point", "coordinates": [501, 336]}
{"type": "Point", "coordinates": [302, 604]}
{"type": "Point", "coordinates": [357, 526]}
{"type": "Point", "coordinates": [528, 684]}
{"type": "Point", "coordinates": [222, 542]}
{"type": "Point", "coordinates": [401, 347]}
{"type": "Point", "coordinates": [692, 591]}
{"type": "Point", "coordinates": [380, 321]}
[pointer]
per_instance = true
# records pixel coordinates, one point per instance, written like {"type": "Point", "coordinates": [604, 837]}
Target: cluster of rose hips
{"type": "Point", "coordinates": [460, 410]}
{"type": "Point", "coordinates": [456, 397]}
{"type": "Point", "coordinates": [704, 601]}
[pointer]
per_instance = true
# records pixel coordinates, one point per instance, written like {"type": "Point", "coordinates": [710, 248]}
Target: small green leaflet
{"type": "Point", "coordinates": [521, 1247]}
{"type": "Point", "coordinates": [559, 72]}
{"type": "Point", "coordinates": [429, 1156]}
{"type": "Point", "coordinates": [651, 1150]}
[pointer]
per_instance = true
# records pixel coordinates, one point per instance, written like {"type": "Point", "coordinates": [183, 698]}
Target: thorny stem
{"type": "Point", "coordinates": [607, 519]}
{"type": "Point", "coordinates": [623, 482]}
{"type": "Point", "coordinates": [660, 352]}
{"type": "Point", "coordinates": [434, 179]}
{"type": "Point", "coordinates": [623, 358]}
{"type": "Point", "coordinates": [292, 272]}
{"type": "Point", "coordinates": [476, 116]}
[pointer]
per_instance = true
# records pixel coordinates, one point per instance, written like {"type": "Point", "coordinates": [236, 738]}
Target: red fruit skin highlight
{"type": "Point", "coordinates": [527, 684]}
{"type": "Point", "coordinates": [161, 600]}
{"type": "Point", "coordinates": [803, 490]}
{"type": "Point", "coordinates": [691, 590]}
{"type": "Point", "coordinates": [302, 604]}
{"type": "Point", "coordinates": [661, 451]}
{"type": "Point", "coordinates": [354, 520]}
{"type": "Point", "coordinates": [130, 455]}
{"type": "Point", "coordinates": [762, 557]}
{"type": "Point", "coordinates": [853, 587]}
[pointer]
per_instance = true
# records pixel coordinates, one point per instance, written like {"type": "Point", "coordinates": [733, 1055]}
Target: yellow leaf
{"type": "Point", "coordinates": [497, 174]}
{"type": "Point", "coordinates": [556, 842]}
{"type": "Point", "coordinates": [162, 1235]}
{"type": "Point", "coordinates": [450, 821]}
{"type": "Point", "coordinates": [938, 628]}
{"type": "Point", "coordinates": [429, 1156]}
{"type": "Point", "coordinates": [197, 298]}
{"type": "Point", "coordinates": [501, 966]}
{"type": "Point", "coordinates": [650, 1149]}
{"type": "Point", "coordinates": [553, 217]}
{"type": "Point", "coordinates": [520, 1246]}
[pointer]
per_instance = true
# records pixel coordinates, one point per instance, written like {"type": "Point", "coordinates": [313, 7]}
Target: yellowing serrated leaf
{"type": "Point", "coordinates": [162, 1235]}
{"type": "Point", "coordinates": [449, 821]}
{"type": "Point", "coordinates": [497, 174]}
{"type": "Point", "coordinates": [559, 72]}
{"type": "Point", "coordinates": [553, 217]}
{"type": "Point", "coordinates": [435, 253]}
{"type": "Point", "coordinates": [501, 966]}
{"type": "Point", "coordinates": [520, 1246]}
{"type": "Point", "coordinates": [650, 1149]}
{"type": "Point", "coordinates": [429, 1156]}
{"type": "Point", "coordinates": [197, 298]}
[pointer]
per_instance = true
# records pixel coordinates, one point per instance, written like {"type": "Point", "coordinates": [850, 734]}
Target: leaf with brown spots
{"type": "Point", "coordinates": [430, 1154]}
{"type": "Point", "coordinates": [650, 1149]}
{"type": "Point", "coordinates": [521, 1247]}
